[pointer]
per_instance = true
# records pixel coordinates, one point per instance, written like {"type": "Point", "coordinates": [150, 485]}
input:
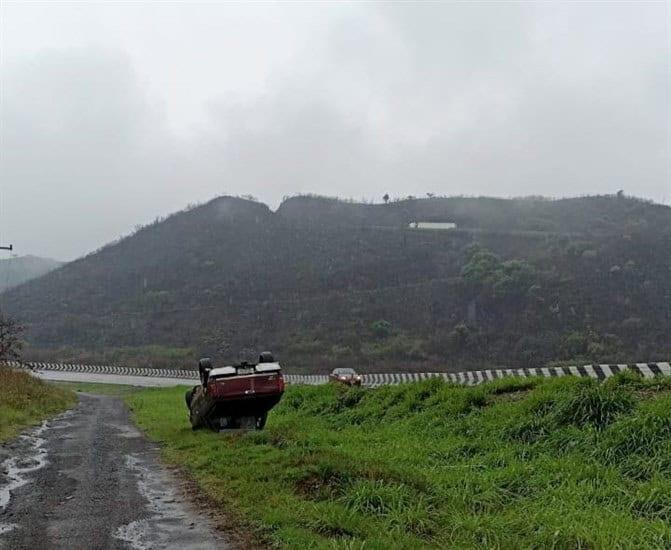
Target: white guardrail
{"type": "Point", "coordinates": [647, 370]}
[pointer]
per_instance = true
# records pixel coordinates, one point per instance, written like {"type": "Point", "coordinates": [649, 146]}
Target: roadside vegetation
{"type": "Point", "coordinates": [26, 400]}
{"type": "Point", "coordinates": [117, 390]}
{"type": "Point", "coordinates": [517, 463]}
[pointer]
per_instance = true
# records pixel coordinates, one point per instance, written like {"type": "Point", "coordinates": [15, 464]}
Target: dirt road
{"type": "Point", "coordinates": [88, 479]}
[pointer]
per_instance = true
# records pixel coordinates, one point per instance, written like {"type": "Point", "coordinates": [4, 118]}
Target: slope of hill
{"type": "Point", "coordinates": [14, 271]}
{"type": "Point", "coordinates": [325, 282]}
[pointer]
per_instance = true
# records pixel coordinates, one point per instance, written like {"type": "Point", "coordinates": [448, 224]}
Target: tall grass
{"type": "Point", "coordinates": [557, 463]}
{"type": "Point", "coordinates": [26, 400]}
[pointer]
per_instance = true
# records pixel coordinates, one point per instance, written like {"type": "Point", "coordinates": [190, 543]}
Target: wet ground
{"type": "Point", "coordinates": [89, 479]}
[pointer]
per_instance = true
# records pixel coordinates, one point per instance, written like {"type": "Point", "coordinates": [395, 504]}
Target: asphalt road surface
{"type": "Point", "coordinates": [123, 379]}
{"type": "Point", "coordinates": [87, 480]}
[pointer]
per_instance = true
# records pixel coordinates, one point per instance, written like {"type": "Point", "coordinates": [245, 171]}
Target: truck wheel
{"type": "Point", "coordinates": [204, 368]}
{"type": "Point", "coordinates": [195, 425]}
{"type": "Point", "coordinates": [188, 397]}
{"type": "Point", "coordinates": [261, 421]}
{"type": "Point", "coordinates": [266, 357]}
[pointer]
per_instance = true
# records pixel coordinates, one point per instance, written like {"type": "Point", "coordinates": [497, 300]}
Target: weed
{"type": "Point", "coordinates": [595, 404]}
{"type": "Point", "coordinates": [26, 400]}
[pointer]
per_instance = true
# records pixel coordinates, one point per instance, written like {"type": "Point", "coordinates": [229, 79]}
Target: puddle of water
{"type": "Point", "coordinates": [30, 456]}
{"type": "Point", "coordinates": [126, 431]}
{"type": "Point", "coordinates": [17, 468]}
{"type": "Point", "coordinates": [135, 534]}
{"type": "Point", "coordinates": [7, 527]}
{"type": "Point", "coordinates": [169, 523]}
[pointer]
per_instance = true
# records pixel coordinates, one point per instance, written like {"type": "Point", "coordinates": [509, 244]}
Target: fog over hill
{"type": "Point", "coordinates": [324, 282]}
{"type": "Point", "coordinates": [17, 270]}
{"type": "Point", "coordinates": [152, 105]}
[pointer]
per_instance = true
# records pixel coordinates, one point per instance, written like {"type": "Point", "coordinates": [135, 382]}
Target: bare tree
{"type": "Point", "coordinates": [10, 338]}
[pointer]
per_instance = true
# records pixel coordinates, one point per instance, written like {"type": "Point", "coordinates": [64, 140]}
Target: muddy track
{"type": "Point", "coordinates": [89, 479]}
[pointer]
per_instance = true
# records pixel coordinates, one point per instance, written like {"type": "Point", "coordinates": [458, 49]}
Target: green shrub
{"type": "Point", "coordinates": [644, 434]}
{"type": "Point", "coordinates": [381, 329]}
{"type": "Point", "coordinates": [594, 404]}
{"type": "Point", "coordinates": [653, 500]}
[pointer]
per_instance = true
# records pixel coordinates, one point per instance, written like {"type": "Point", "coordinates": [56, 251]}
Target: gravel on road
{"type": "Point", "coordinates": [88, 479]}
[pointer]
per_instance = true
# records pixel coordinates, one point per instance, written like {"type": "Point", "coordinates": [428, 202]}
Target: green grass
{"type": "Point", "coordinates": [119, 390]}
{"type": "Point", "coordinates": [26, 400]}
{"type": "Point", "coordinates": [518, 463]}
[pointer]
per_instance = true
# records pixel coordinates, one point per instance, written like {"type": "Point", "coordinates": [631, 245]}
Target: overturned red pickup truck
{"type": "Point", "coordinates": [237, 396]}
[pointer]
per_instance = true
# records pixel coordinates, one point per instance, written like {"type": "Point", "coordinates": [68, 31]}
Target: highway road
{"type": "Point", "coordinates": [123, 379]}
{"type": "Point", "coordinates": [162, 378]}
{"type": "Point", "coordinates": [89, 479]}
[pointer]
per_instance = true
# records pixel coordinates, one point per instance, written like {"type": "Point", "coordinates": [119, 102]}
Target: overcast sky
{"type": "Point", "coordinates": [115, 113]}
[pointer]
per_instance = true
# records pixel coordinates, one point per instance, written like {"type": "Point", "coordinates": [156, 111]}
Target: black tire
{"type": "Point", "coordinates": [261, 421]}
{"type": "Point", "coordinates": [204, 367]}
{"type": "Point", "coordinates": [195, 425]}
{"type": "Point", "coordinates": [188, 397]}
{"type": "Point", "coordinates": [266, 357]}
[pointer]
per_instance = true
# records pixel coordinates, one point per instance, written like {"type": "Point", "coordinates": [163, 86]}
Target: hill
{"type": "Point", "coordinates": [14, 271]}
{"type": "Point", "coordinates": [324, 282]}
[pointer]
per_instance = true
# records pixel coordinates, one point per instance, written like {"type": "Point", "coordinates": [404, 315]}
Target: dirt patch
{"type": "Point", "coordinates": [316, 487]}
{"type": "Point", "coordinates": [652, 392]}
{"type": "Point", "coordinates": [240, 535]}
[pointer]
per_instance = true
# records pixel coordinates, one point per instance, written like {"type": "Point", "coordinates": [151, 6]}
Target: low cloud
{"type": "Point", "coordinates": [490, 99]}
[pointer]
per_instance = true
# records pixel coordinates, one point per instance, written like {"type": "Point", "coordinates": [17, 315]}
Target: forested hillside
{"type": "Point", "coordinates": [324, 282]}
{"type": "Point", "coordinates": [14, 271]}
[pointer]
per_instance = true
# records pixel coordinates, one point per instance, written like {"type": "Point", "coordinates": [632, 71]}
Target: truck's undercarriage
{"type": "Point", "coordinates": [237, 396]}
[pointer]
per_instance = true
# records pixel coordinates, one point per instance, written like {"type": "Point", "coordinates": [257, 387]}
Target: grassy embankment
{"type": "Point", "coordinates": [26, 400]}
{"type": "Point", "coordinates": [116, 390]}
{"type": "Point", "coordinates": [558, 463]}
